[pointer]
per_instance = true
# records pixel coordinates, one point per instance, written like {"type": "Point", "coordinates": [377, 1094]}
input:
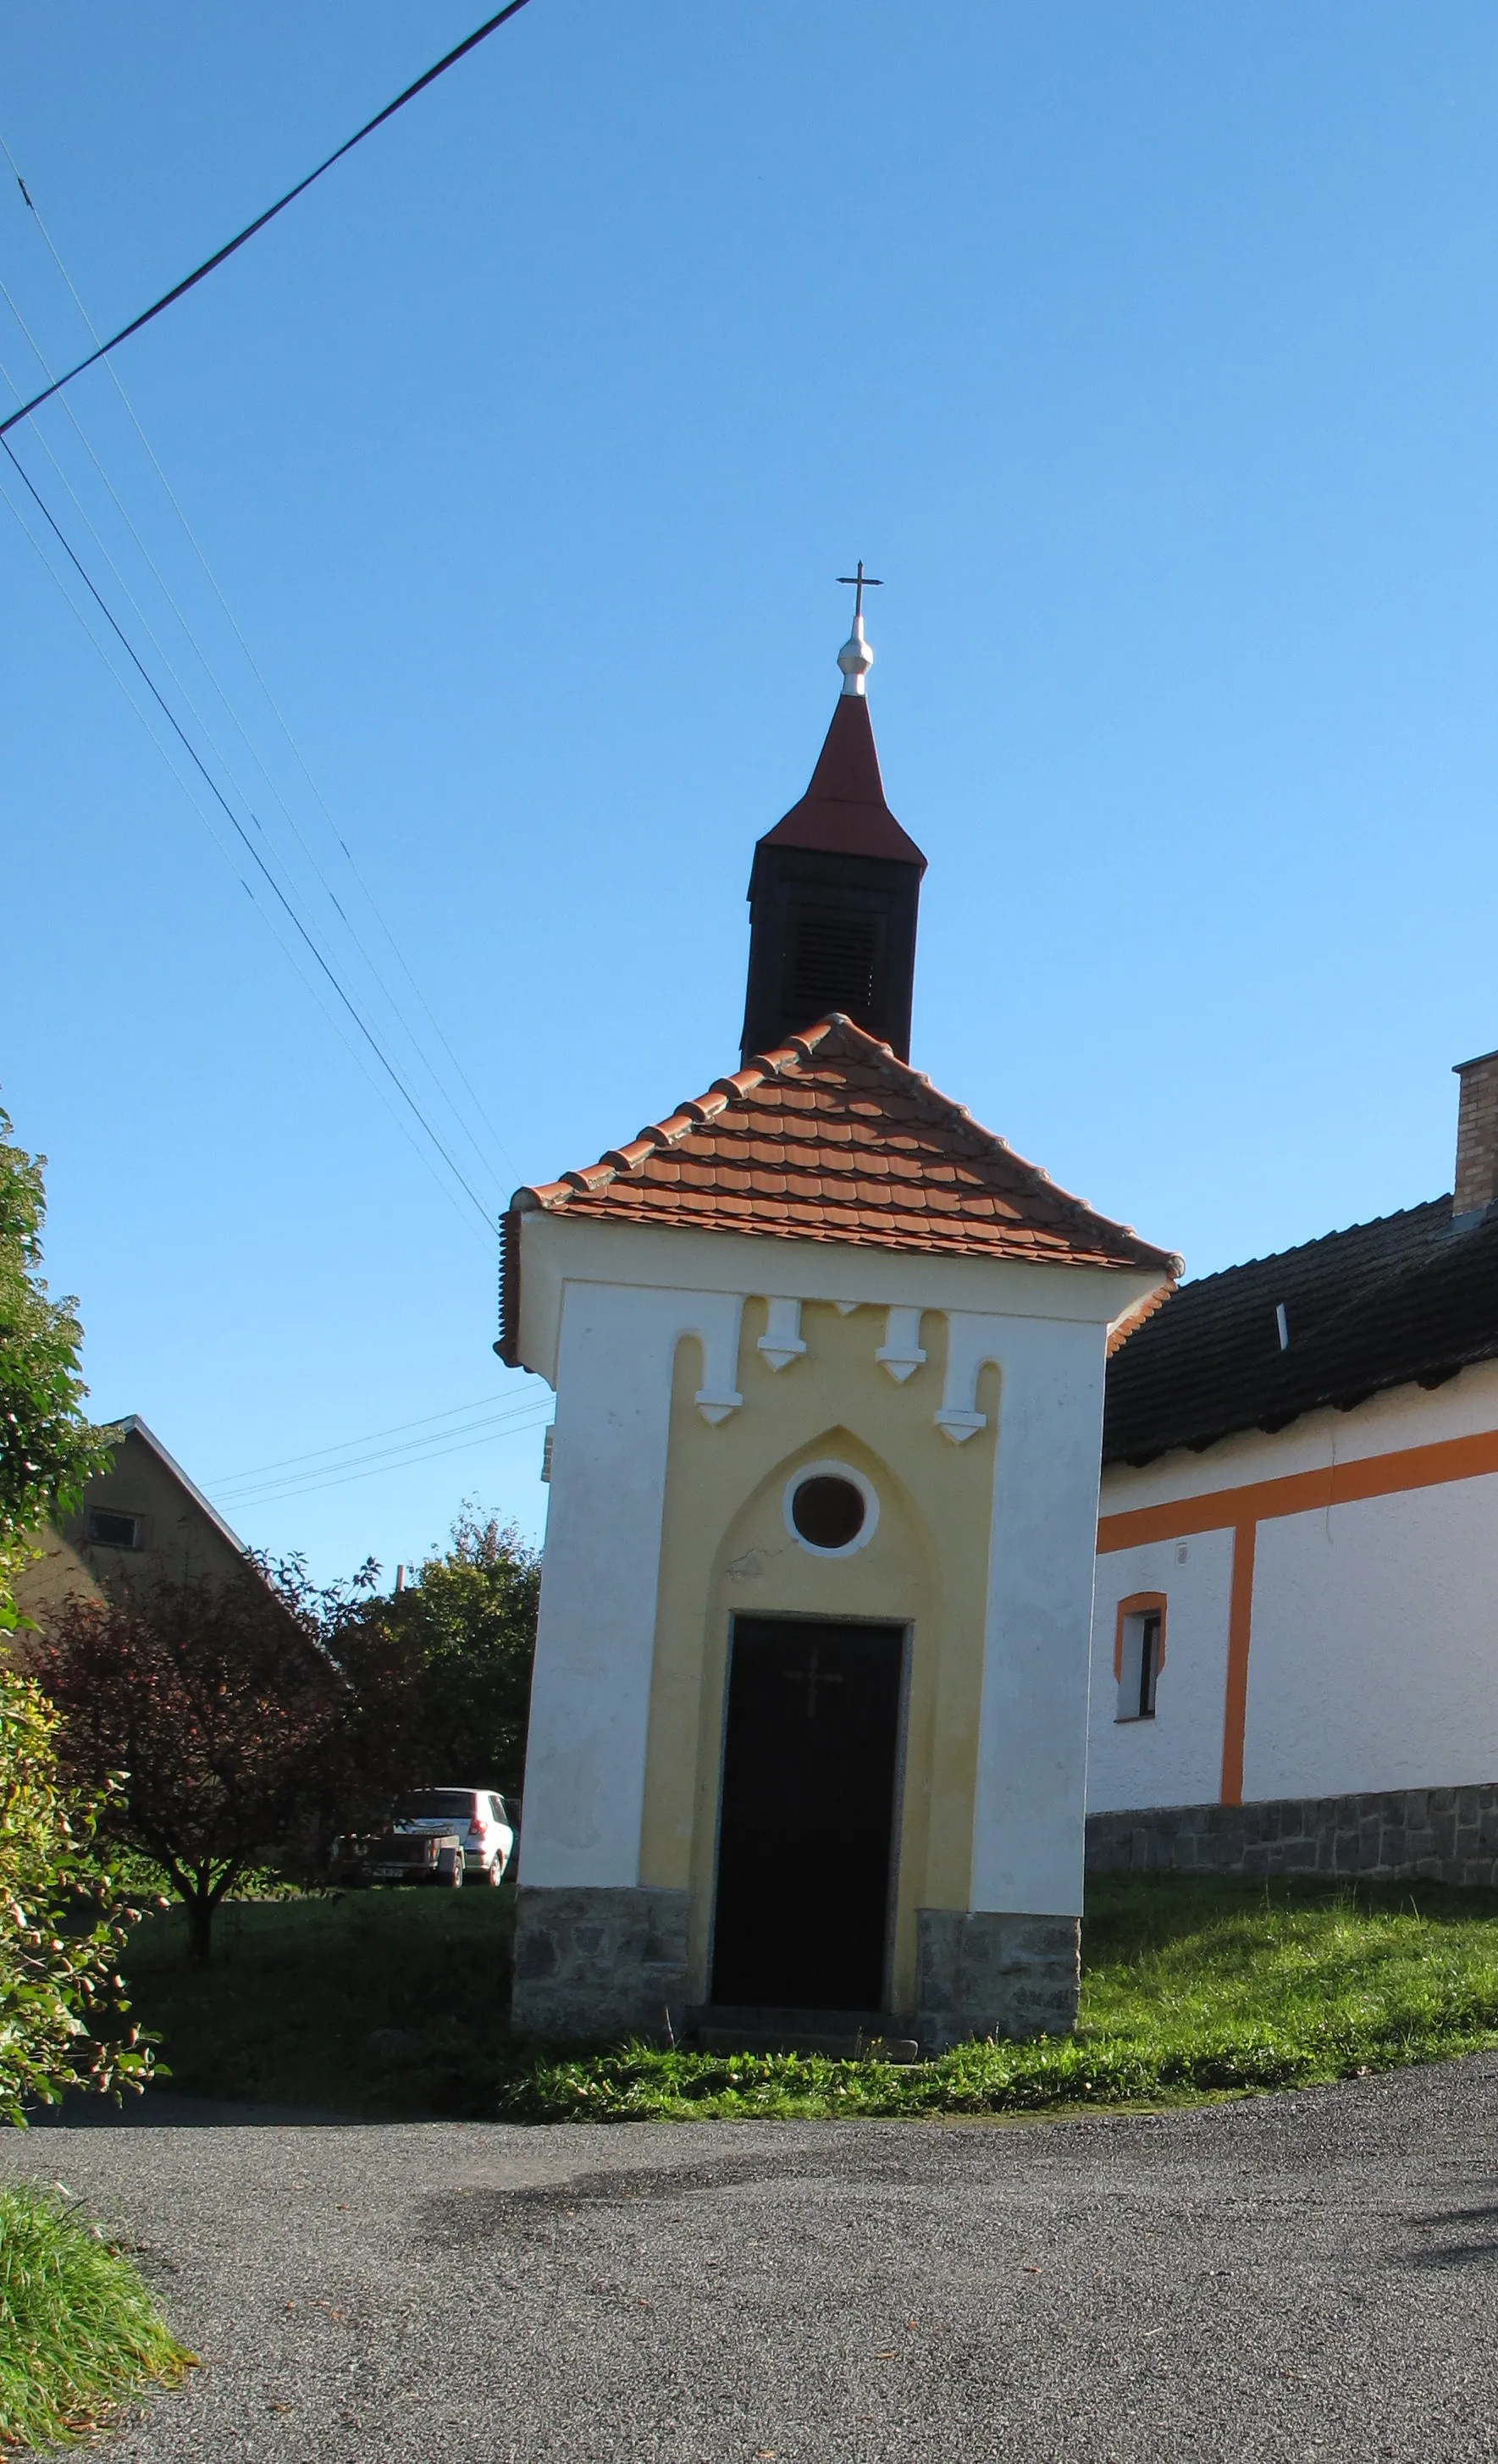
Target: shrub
{"type": "Point", "coordinates": [62, 1921]}
{"type": "Point", "coordinates": [61, 1917]}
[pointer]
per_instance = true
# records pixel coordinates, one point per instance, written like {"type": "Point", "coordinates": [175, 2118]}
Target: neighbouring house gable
{"type": "Point", "coordinates": [141, 1520]}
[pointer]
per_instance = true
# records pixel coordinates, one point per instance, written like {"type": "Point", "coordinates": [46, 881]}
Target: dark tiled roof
{"type": "Point", "coordinates": [843, 811]}
{"type": "Point", "coordinates": [1406, 1299]}
{"type": "Point", "coordinates": [832, 1139]}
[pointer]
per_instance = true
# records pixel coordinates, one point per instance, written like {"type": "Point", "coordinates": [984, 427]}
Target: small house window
{"type": "Point", "coordinates": [1139, 1656]}
{"type": "Point", "coordinates": [107, 1530]}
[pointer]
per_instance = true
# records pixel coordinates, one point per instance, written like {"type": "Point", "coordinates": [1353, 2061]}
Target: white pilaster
{"type": "Point", "coordinates": [585, 1770]}
{"type": "Point", "coordinates": [1032, 1726]}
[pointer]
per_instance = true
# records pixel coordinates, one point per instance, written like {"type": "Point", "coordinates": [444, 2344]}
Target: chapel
{"type": "Point", "coordinates": [806, 1754]}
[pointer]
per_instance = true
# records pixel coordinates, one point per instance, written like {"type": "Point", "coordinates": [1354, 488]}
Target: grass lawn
{"type": "Point", "coordinates": [382, 2001]}
{"type": "Point", "coordinates": [78, 2333]}
{"type": "Point", "coordinates": [393, 2002]}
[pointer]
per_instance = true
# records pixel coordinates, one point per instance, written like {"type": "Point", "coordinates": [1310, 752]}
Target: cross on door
{"type": "Point", "coordinates": [811, 1676]}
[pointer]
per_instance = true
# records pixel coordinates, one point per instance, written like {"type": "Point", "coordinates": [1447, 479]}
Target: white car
{"type": "Point", "coordinates": [480, 1819]}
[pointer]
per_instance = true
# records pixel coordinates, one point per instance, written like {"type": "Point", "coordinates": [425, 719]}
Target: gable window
{"type": "Point", "coordinates": [107, 1530]}
{"type": "Point", "coordinates": [1139, 1654]}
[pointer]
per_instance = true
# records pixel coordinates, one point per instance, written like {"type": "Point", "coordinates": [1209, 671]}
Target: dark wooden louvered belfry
{"type": "Point", "coordinates": [832, 899]}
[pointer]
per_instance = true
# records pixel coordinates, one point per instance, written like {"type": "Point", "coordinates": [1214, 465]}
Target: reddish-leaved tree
{"type": "Point", "coordinates": [223, 1707]}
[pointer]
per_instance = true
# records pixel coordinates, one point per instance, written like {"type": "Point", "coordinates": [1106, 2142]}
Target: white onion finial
{"type": "Point", "coordinates": [855, 658]}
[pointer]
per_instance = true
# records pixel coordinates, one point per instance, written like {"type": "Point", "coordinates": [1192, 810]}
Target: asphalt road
{"type": "Point", "coordinates": [1297, 2276]}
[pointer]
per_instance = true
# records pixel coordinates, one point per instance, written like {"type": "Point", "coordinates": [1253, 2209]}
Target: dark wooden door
{"type": "Point", "coordinates": [806, 1830]}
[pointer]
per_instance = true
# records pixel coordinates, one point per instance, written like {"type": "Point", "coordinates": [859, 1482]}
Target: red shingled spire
{"type": "Point", "coordinates": [842, 812]}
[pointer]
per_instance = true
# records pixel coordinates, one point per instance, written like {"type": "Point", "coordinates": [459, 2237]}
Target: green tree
{"type": "Point", "coordinates": [62, 1918]}
{"type": "Point", "coordinates": [465, 1634]}
{"type": "Point", "coordinates": [222, 1708]}
{"type": "Point", "coordinates": [47, 1448]}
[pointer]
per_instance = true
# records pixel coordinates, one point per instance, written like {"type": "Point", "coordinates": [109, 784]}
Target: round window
{"type": "Point", "coordinates": [828, 1512]}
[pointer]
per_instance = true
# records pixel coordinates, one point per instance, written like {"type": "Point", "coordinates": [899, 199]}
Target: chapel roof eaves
{"type": "Point", "coordinates": [951, 1209]}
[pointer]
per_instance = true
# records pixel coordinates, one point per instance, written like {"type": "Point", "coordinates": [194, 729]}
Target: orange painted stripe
{"type": "Point", "coordinates": [1303, 1492]}
{"type": "Point", "coordinates": [1239, 1629]}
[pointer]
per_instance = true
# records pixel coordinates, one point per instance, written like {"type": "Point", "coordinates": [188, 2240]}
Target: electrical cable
{"type": "Point", "coordinates": [209, 265]}
{"type": "Point", "coordinates": [146, 627]}
{"type": "Point", "coordinates": [286, 1463]}
{"type": "Point", "coordinates": [241, 833]}
{"type": "Point", "coordinates": [281, 1492]}
{"type": "Point", "coordinates": [268, 916]}
{"type": "Point", "coordinates": [394, 1459]}
{"type": "Point", "coordinates": [527, 1403]}
{"type": "Point", "coordinates": [484, 1160]}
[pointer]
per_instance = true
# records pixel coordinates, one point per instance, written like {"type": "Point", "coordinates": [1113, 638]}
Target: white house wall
{"type": "Point", "coordinates": [1371, 1624]}
{"type": "Point", "coordinates": [1374, 1655]}
{"type": "Point", "coordinates": [1407, 1416]}
{"type": "Point", "coordinates": [1177, 1757]}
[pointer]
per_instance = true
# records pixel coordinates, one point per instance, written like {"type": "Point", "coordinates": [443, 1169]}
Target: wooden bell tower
{"type": "Point", "coordinates": [834, 890]}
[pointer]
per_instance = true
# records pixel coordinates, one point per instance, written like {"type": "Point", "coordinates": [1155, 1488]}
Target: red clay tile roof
{"type": "Point", "coordinates": [843, 811]}
{"type": "Point", "coordinates": [832, 1139]}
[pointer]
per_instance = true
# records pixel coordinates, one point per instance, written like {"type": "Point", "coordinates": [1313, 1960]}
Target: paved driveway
{"type": "Point", "coordinates": [1298, 2277]}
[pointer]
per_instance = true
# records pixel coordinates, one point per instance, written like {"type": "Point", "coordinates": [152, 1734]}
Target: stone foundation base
{"type": "Point", "coordinates": [600, 1962]}
{"type": "Point", "coordinates": [1437, 1834]}
{"type": "Point", "coordinates": [982, 1974]}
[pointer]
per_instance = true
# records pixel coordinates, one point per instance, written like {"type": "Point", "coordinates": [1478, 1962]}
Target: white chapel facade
{"type": "Point", "coordinates": [808, 1726]}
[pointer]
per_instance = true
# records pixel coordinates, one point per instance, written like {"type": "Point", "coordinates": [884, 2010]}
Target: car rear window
{"type": "Point", "coordinates": [439, 1805]}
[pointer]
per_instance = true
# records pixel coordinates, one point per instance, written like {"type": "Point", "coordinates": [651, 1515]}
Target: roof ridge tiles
{"type": "Point", "coordinates": [1318, 1239]}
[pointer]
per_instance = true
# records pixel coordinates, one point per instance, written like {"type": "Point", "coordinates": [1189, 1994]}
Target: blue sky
{"type": "Point", "coordinates": [1149, 353]}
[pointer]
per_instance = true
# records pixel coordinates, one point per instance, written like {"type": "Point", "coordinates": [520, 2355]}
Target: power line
{"type": "Point", "coordinates": [240, 831]}
{"type": "Point", "coordinates": [268, 916]}
{"type": "Point", "coordinates": [413, 1039]}
{"type": "Point", "coordinates": [285, 1463]}
{"type": "Point", "coordinates": [199, 273]}
{"type": "Point", "coordinates": [278, 1491]}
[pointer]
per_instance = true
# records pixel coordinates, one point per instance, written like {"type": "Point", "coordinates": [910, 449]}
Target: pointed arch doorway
{"type": "Point", "coordinates": [806, 1827]}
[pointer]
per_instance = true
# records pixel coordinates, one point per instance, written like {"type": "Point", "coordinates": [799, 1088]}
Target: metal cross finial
{"type": "Point", "coordinates": [855, 658]}
{"type": "Point", "coordinates": [859, 581]}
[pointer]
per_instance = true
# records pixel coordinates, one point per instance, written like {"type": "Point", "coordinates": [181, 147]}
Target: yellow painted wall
{"type": "Point", "coordinates": [726, 1549]}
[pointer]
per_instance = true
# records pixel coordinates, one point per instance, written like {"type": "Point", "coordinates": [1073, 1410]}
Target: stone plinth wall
{"type": "Point", "coordinates": [600, 1962]}
{"type": "Point", "coordinates": [985, 1974]}
{"type": "Point", "coordinates": [1437, 1834]}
